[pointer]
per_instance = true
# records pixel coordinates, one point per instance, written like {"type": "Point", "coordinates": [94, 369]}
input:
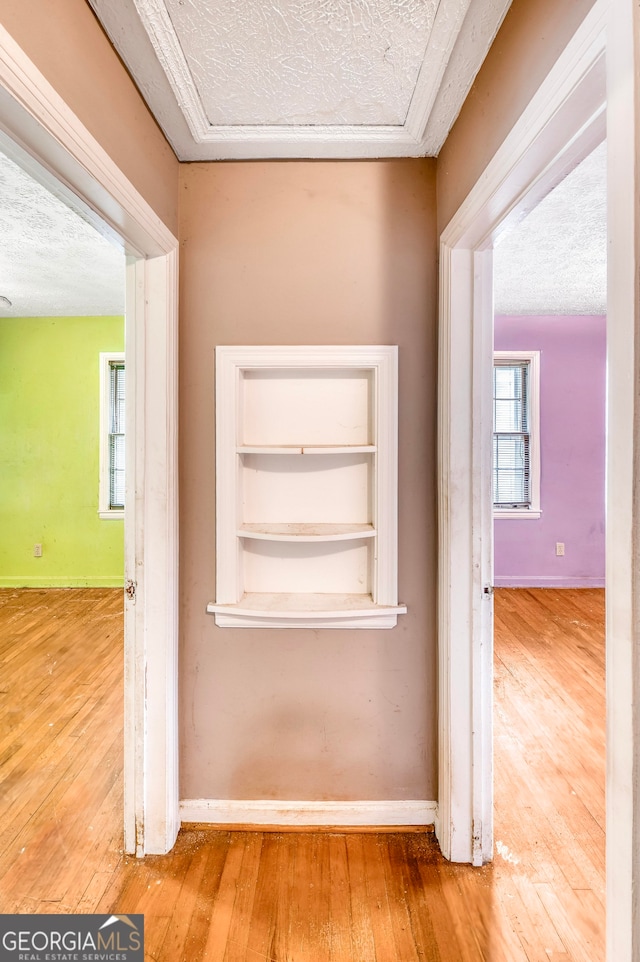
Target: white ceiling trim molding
{"type": "Point", "coordinates": [442, 40]}
{"type": "Point", "coordinates": [157, 22]}
{"type": "Point", "coordinates": [299, 143]}
{"type": "Point", "coordinates": [481, 24]}
{"type": "Point", "coordinates": [146, 39]}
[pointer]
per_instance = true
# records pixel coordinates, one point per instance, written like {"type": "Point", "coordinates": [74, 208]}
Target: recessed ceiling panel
{"type": "Point", "coordinates": [302, 61]}
{"type": "Point", "coordinates": [246, 79]}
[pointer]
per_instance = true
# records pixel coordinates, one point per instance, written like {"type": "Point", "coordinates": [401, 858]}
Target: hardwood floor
{"type": "Point", "coordinates": [549, 743]}
{"type": "Point", "coordinates": [309, 897]}
{"type": "Point", "coordinates": [61, 696]}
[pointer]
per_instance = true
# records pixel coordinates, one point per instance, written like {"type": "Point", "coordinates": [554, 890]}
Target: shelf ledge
{"type": "Point", "coordinates": [305, 611]}
{"type": "Point", "coordinates": [306, 449]}
{"type": "Point", "coordinates": [306, 532]}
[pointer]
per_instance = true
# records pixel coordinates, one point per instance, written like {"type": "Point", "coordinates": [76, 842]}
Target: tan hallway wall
{"type": "Point", "coordinates": [306, 253]}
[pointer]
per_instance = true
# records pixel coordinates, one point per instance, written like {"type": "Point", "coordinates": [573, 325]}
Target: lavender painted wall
{"type": "Point", "coordinates": [572, 455]}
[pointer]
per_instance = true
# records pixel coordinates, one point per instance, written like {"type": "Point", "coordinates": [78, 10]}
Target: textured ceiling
{"type": "Point", "coordinates": [303, 62]}
{"type": "Point", "coordinates": [52, 262]}
{"type": "Point", "coordinates": [555, 261]}
{"type": "Point", "coordinates": [242, 79]}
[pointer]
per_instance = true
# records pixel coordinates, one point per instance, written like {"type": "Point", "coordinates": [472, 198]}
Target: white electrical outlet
{"type": "Point", "coordinates": [37, 551]}
{"type": "Point", "coordinates": [559, 549]}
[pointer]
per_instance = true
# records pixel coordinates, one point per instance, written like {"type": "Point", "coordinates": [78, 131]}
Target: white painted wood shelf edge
{"type": "Point", "coordinates": [305, 611]}
{"type": "Point", "coordinates": [307, 532]}
{"type": "Point", "coordinates": [307, 449]}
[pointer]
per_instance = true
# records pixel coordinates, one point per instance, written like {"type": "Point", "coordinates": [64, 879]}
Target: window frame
{"type": "Point", "coordinates": [105, 511]}
{"type": "Point", "coordinates": [532, 358]}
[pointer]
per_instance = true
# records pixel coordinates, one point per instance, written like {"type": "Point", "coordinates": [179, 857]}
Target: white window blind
{"type": "Point", "coordinates": [111, 492]}
{"type": "Point", "coordinates": [116, 434]}
{"type": "Point", "coordinates": [511, 437]}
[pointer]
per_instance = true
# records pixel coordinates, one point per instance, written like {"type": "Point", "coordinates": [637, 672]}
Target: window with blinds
{"type": "Point", "coordinates": [116, 434]}
{"type": "Point", "coordinates": [515, 432]}
{"type": "Point", "coordinates": [111, 492]}
{"type": "Point", "coordinates": [511, 442]}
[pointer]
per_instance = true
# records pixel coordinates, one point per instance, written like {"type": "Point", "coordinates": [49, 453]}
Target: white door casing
{"type": "Point", "coordinates": [623, 485]}
{"type": "Point", "coordinates": [563, 123]}
{"type": "Point", "coordinates": [44, 135]}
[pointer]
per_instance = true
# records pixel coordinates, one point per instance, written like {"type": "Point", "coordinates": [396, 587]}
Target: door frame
{"type": "Point", "coordinates": [50, 141]}
{"type": "Point", "coordinates": [593, 85]}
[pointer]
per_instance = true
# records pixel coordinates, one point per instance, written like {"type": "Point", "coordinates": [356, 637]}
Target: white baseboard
{"type": "Point", "coordinates": [288, 813]}
{"type": "Point", "coordinates": [546, 581]}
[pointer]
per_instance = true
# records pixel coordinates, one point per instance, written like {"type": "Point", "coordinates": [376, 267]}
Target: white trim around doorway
{"type": "Point", "coordinates": [46, 137]}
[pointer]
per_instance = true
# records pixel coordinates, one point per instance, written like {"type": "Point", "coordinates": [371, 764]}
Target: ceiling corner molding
{"type": "Point", "coordinates": [477, 33]}
{"type": "Point", "coordinates": [157, 23]}
{"type": "Point", "coordinates": [318, 142]}
{"type": "Point", "coordinates": [442, 40]}
{"type": "Point", "coordinates": [121, 21]}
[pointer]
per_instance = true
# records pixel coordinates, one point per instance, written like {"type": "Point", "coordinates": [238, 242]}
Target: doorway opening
{"type": "Point", "coordinates": [548, 490]}
{"type": "Point", "coordinates": [51, 137]}
{"type": "Point", "coordinates": [62, 556]}
{"type": "Point", "coordinates": [564, 122]}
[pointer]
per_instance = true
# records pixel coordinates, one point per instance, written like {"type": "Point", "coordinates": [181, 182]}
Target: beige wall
{"type": "Point", "coordinates": [533, 35]}
{"type": "Point", "coordinates": [287, 253]}
{"type": "Point", "coordinates": [66, 43]}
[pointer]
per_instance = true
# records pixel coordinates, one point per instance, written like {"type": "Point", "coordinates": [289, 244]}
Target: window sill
{"type": "Point", "coordinates": [521, 514]}
{"type": "Point", "coordinates": [111, 515]}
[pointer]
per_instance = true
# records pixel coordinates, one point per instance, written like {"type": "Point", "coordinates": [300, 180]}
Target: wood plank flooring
{"type": "Point", "coordinates": [309, 897]}
{"type": "Point", "coordinates": [61, 695]}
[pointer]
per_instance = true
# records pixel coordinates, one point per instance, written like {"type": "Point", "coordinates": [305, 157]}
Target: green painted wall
{"type": "Point", "coordinates": [49, 453]}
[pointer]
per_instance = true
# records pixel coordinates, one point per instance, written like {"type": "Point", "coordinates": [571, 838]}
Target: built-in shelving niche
{"type": "Point", "coordinates": [306, 500]}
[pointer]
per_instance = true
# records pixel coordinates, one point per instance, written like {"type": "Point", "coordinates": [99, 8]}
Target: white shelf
{"type": "Point", "coordinates": [306, 487]}
{"type": "Point", "coordinates": [306, 532]}
{"type": "Point", "coordinates": [284, 610]}
{"type": "Point", "coordinates": [306, 449]}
